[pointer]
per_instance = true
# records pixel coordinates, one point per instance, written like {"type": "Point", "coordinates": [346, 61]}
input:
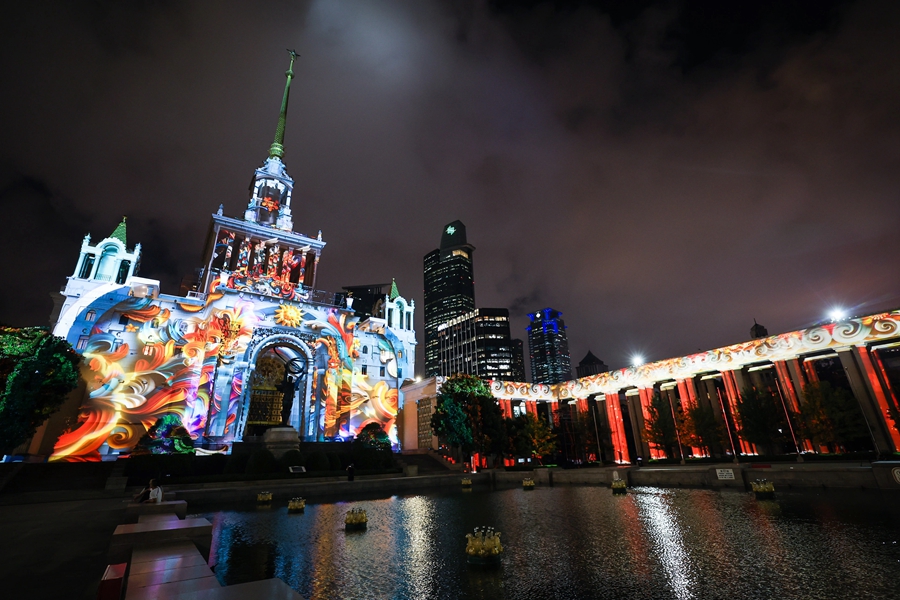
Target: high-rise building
{"type": "Point", "coordinates": [549, 347]}
{"type": "Point", "coordinates": [518, 368]}
{"type": "Point", "coordinates": [449, 288]}
{"type": "Point", "coordinates": [478, 343]}
{"type": "Point", "coordinates": [590, 365]}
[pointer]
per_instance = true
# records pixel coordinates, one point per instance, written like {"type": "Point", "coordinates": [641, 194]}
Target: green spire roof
{"type": "Point", "coordinates": [395, 293]}
{"type": "Point", "coordinates": [277, 148]}
{"type": "Point", "coordinates": [119, 233]}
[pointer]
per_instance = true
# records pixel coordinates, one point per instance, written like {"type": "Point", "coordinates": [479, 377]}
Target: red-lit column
{"type": "Point", "coordinates": [731, 391]}
{"type": "Point", "coordinates": [531, 407]}
{"type": "Point", "coordinates": [582, 405]}
{"type": "Point", "coordinates": [646, 395]}
{"type": "Point", "coordinates": [880, 394]}
{"type": "Point", "coordinates": [688, 397]}
{"type": "Point", "coordinates": [617, 429]}
{"type": "Point", "coordinates": [506, 407]}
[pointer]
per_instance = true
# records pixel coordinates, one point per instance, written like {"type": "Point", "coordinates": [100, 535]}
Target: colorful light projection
{"type": "Point", "coordinates": [145, 358]}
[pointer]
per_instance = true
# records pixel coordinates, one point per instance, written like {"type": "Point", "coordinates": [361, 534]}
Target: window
{"type": "Point", "coordinates": [381, 371]}
{"type": "Point", "coordinates": [123, 320]}
{"type": "Point", "coordinates": [400, 373]}
{"type": "Point", "coordinates": [364, 370]}
{"type": "Point", "coordinates": [90, 316]}
{"type": "Point", "coordinates": [390, 317]}
{"type": "Point", "coordinates": [408, 321]}
{"type": "Point", "coordinates": [365, 349]}
{"type": "Point", "coordinates": [82, 343]}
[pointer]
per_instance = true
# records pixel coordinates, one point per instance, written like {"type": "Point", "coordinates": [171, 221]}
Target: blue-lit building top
{"type": "Point", "coordinates": [548, 347]}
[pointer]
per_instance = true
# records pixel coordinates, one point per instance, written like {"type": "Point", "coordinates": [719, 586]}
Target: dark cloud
{"type": "Point", "coordinates": [661, 172]}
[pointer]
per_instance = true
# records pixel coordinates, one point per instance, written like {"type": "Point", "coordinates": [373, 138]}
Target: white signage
{"type": "Point", "coordinates": [725, 473]}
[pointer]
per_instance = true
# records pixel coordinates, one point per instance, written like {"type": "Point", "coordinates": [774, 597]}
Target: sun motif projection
{"type": "Point", "coordinates": [288, 315]}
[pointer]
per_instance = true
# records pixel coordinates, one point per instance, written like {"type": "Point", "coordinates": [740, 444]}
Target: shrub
{"type": "Point", "coordinates": [318, 461]}
{"type": "Point", "coordinates": [334, 461]}
{"type": "Point", "coordinates": [237, 463]}
{"type": "Point", "coordinates": [261, 461]}
{"type": "Point", "coordinates": [291, 458]}
{"type": "Point", "coordinates": [210, 465]}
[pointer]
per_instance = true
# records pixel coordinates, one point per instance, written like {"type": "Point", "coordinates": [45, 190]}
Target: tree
{"type": "Point", "coordinates": [660, 427]}
{"type": "Point", "coordinates": [37, 372]}
{"type": "Point", "coordinates": [702, 429]}
{"type": "Point", "coordinates": [538, 438]}
{"type": "Point", "coordinates": [373, 436]}
{"type": "Point", "coordinates": [468, 417]}
{"type": "Point", "coordinates": [831, 417]}
{"type": "Point", "coordinates": [763, 420]}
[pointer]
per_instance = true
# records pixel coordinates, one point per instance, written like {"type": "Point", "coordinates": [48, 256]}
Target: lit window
{"type": "Point", "coordinates": [82, 343]}
{"type": "Point", "coordinates": [90, 316]}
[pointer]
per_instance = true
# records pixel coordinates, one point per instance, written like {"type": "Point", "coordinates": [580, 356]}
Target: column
{"type": "Point", "coordinates": [633, 404]}
{"type": "Point", "coordinates": [506, 407]}
{"type": "Point", "coordinates": [876, 424]}
{"type": "Point", "coordinates": [688, 396]}
{"type": "Point", "coordinates": [733, 393]}
{"type": "Point", "coordinates": [78, 266]}
{"type": "Point", "coordinates": [881, 392]}
{"type": "Point", "coordinates": [617, 429]}
{"type": "Point", "coordinates": [646, 395]}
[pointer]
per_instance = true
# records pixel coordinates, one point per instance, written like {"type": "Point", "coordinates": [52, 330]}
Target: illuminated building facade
{"type": "Point", "coordinates": [478, 343]}
{"type": "Point", "coordinates": [548, 346]}
{"type": "Point", "coordinates": [449, 288]}
{"type": "Point", "coordinates": [255, 345]}
{"type": "Point", "coordinates": [860, 355]}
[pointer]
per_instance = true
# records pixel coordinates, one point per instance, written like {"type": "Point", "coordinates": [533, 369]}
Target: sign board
{"type": "Point", "coordinates": [725, 473]}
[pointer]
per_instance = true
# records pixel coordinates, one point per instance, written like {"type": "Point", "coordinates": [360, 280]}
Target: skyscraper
{"type": "Point", "coordinates": [478, 343]}
{"type": "Point", "coordinates": [518, 368]}
{"type": "Point", "coordinates": [549, 347]}
{"type": "Point", "coordinates": [449, 288]}
{"type": "Point", "coordinates": [590, 365]}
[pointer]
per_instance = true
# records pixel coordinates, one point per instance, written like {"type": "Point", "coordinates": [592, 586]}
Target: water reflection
{"type": "Point", "coordinates": [665, 532]}
{"type": "Point", "coordinates": [574, 542]}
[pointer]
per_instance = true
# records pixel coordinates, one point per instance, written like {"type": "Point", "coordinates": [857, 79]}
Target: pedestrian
{"type": "Point", "coordinates": [152, 494]}
{"type": "Point", "coordinates": [350, 471]}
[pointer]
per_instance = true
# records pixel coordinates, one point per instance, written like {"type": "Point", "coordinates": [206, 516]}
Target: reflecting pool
{"type": "Point", "coordinates": [573, 543]}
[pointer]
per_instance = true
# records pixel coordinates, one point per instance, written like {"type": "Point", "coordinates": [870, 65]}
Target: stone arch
{"type": "Point", "coordinates": [258, 347]}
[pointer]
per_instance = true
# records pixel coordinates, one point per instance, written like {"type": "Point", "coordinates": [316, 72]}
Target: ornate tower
{"type": "Point", "coordinates": [271, 187]}
{"type": "Point", "coordinates": [262, 253]}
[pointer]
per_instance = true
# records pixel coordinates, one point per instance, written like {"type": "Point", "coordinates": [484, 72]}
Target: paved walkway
{"type": "Point", "coordinates": [57, 549]}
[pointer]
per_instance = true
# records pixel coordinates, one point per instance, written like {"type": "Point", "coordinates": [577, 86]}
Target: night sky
{"type": "Point", "coordinates": [661, 172]}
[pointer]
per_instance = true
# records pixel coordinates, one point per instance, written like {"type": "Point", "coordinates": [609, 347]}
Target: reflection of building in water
{"type": "Point", "coordinates": [217, 355]}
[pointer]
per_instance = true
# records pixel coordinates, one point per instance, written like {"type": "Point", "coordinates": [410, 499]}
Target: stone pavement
{"type": "Point", "coordinates": [56, 549]}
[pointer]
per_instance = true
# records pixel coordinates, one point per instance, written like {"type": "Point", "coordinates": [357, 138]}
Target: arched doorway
{"type": "Point", "coordinates": [277, 386]}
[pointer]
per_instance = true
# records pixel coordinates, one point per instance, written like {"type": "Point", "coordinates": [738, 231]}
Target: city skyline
{"type": "Point", "coordinates": [661, 191]}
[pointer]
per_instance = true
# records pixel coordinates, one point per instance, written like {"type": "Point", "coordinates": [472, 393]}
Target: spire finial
{"type": "Point", "coordinates": [277, 149]}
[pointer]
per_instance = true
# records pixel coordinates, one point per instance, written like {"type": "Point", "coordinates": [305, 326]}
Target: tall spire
{"type": "Point", "coordinates": [277, 149]}
{"type": "Point", "coordinates": [394, 291]}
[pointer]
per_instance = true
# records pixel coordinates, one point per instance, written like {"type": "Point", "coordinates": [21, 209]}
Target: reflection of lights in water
{"type": "Point", "coordinates": [417, 517]}
{"type": "Point", "coordinates": [665, 533]}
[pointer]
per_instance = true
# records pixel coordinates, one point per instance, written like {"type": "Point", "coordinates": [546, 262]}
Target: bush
{"type": "Point", "coordinates": [210, 465]}
{"type": "Point", "coordinates": [237, 463]}
{"type": "Point", "coordinates": [334, 461]}
{"type": "Point", "coordinates": [291, 458]}
{"type": "Point", "coordinates": [318, 461]}
{"type": "Point", "coordinates": [261, 461]}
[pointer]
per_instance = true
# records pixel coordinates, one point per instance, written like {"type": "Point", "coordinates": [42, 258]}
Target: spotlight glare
{"type": "Point", "coordinates": [837, 314]}
{"type": "Point", "coordinates": [637, 360]}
